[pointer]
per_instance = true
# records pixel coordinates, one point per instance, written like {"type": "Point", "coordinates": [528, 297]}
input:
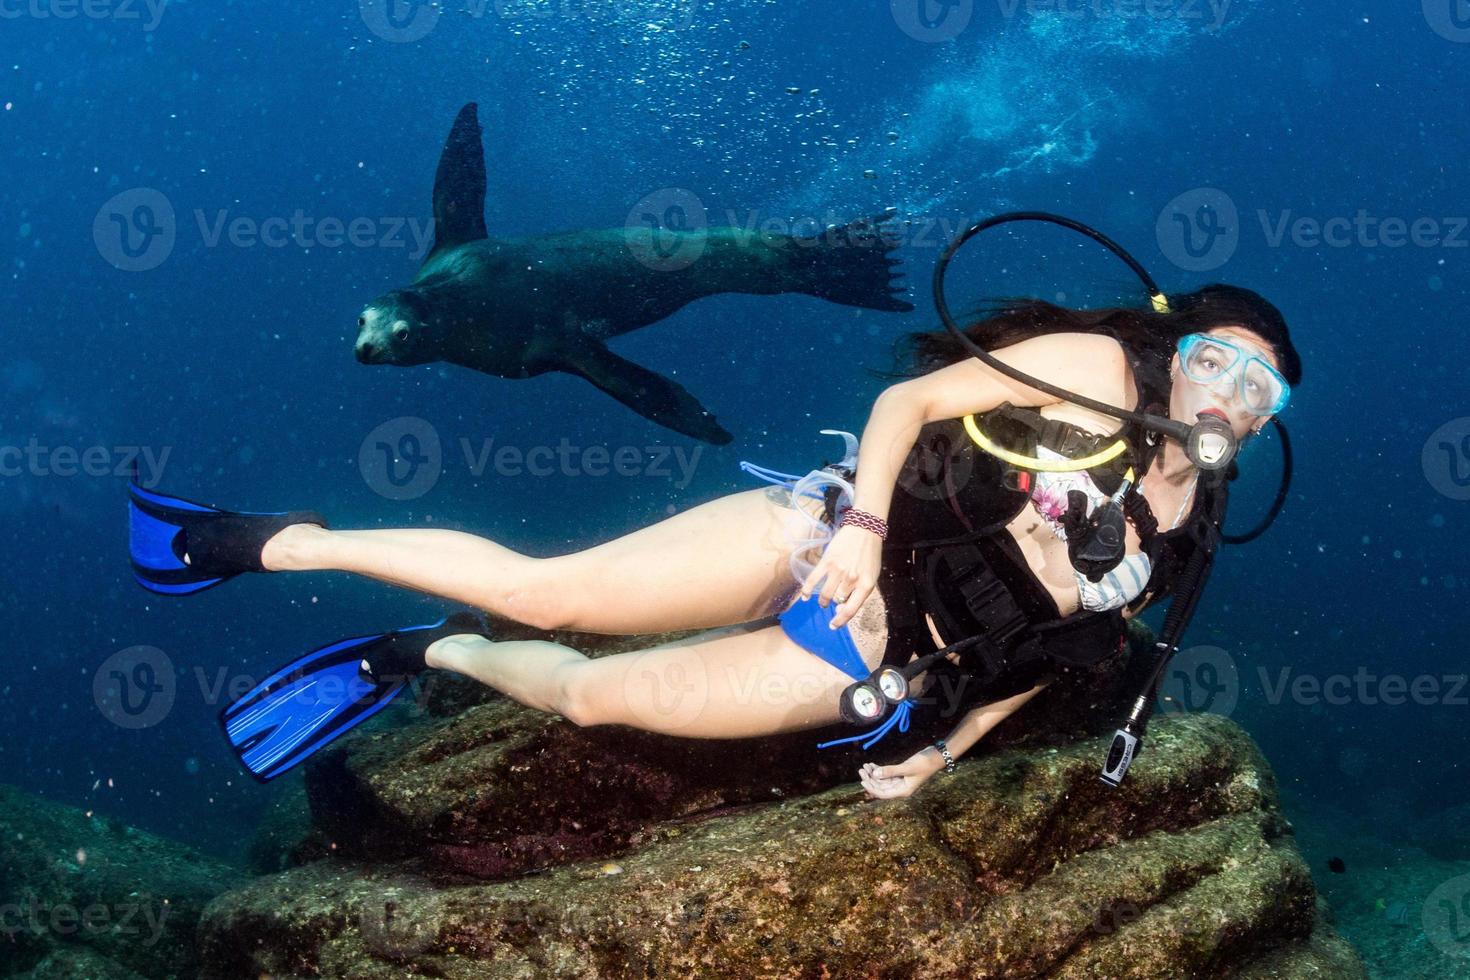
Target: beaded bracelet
{"type": "Point", "coordinates": [866, 521]}
{"type": "Point", "coordinates": [944, 752]}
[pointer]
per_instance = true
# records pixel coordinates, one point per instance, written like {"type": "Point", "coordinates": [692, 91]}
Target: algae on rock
{"type": "Point", "coordinates": [91, 897]}
{"type": "Point", "coordinates": [1022, 864]}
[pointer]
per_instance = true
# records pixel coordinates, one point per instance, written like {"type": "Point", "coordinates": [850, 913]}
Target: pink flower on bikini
{"type": "Point", "coordinates": [1050, 503]}
{"type": "Point", "coordinates": [1050, 495]}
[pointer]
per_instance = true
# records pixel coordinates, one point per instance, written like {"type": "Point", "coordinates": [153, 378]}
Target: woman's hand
{"type": "Point", "coordinates": [850, 566]}
{"type": "Point", "coordinates": [888, 782]}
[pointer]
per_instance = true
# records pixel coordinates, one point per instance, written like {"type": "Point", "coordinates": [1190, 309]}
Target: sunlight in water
{"type": "Point", "coordinates": [1042, 92]}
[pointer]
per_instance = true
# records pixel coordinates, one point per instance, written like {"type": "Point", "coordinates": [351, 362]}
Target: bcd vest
{"type": "Point", "coordinates": [948, 553]}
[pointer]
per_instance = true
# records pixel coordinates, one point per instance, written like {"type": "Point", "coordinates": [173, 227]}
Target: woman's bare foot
{"type": "Point", "coordinates": [290, 548]}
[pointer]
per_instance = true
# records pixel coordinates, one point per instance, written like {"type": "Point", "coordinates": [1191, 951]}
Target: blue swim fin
{"type": "Point", "coordinates": [220, 544]}
{"type": "Point", "coordinates": [314, 699]}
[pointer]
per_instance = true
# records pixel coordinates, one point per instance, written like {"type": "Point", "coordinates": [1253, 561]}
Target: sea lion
{"type": "Point", "coordinates": [516, 308]}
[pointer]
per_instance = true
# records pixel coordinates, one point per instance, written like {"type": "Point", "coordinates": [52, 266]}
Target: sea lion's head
{"type": "Point", "coordinates": [394, 329]}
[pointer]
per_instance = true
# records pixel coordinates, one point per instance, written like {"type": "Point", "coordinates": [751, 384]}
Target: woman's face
{"type": "Point", "coordinates": [1189, 397]}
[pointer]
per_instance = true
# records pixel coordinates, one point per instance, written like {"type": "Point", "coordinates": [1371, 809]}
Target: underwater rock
{"type": "Point", "coordinates": [500, 790]}
{"type": "Point", "coordinates": [283, 837]}
{"type": "Point", "coordinates": [91, 897]}
{"type": "Point", "coordinates": [457, 789]}
{"type": "Point", "coordinates": [1021, 864]}
{"type": "Point", "coordinates": [80, 963]}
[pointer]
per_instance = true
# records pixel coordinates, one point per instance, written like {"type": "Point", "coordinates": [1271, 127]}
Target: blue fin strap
{"type": "Point", "coordinates": [768, 474]}
{"type": "Point", "coordinates": [780, 479]}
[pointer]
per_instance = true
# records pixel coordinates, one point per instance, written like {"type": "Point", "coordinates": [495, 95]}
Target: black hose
{"type": "Point", "coordinates": [1281, 490]}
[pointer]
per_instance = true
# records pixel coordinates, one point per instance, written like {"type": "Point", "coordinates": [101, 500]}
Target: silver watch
{"type": "Point", "coordinates": [944, 752]}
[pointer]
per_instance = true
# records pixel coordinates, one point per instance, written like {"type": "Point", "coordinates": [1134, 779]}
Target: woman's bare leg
{"type": "Point", "coordinates": [721, 562]}
{"type": "Point", "coordinates": [737, 682]}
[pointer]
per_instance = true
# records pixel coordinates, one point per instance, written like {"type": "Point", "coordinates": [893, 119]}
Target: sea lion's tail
{"type": "Point", "coordinates": [852, 265]}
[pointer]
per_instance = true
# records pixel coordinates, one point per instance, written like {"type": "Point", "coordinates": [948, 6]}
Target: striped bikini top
{"type": "Point", "coordinates": [1123, 584]}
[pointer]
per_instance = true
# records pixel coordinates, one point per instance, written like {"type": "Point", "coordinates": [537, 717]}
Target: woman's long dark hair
{"type": "Point", "coordinates": [1149, 334]}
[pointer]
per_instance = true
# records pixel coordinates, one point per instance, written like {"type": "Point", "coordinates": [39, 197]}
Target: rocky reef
{"type": "Point", "coordinates": [497, 842]}
{"type": "Point", "coordinates": [88, 897]}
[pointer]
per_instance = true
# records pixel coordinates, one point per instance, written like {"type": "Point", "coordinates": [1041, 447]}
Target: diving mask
{"type": "Point", "coordinates": [1208, 359]}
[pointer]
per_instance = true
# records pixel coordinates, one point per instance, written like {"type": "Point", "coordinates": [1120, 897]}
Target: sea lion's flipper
{"type": "Point", "coordinates": [649, 394]}
{"type": "Point", "coordinates": [459, 184]}
{"type": "Point", "coordinates": [852, 265]}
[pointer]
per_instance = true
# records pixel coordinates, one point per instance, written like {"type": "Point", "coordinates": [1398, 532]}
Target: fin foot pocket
{"type": "Point", "coordinates": [315, 699]}
{"type": "Point", "coordinates": [220, 544]}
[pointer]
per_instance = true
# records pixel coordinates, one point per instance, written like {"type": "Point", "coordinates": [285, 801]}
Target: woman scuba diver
{"type": "Point", "coordinates": [992, 529]}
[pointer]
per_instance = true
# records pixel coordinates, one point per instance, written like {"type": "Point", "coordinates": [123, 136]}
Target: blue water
{"type": "Point", "coordinates": [234, 357]}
